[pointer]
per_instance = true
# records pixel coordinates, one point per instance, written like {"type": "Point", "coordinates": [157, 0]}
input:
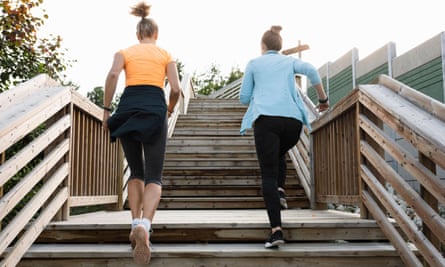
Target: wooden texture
{"type": "Point", "coordinates": [34, 230]}
{"type": "Point", "coordinates": [18, 121]}
{"type": "Point", "coordinates": [208, 164]}
{"type": "Point", "coordinates": [215, 225]}
{"type": "Point", "coordinates": [427, 250]}
{"type": "Point", "coordinates": [423, 101]}
{"type": "Point", "coordinates": [408, 256]}
{"type": "Point", "coordinates": [24, 156]}
{"type": "Point", "coordinates": [213, 255]}
{"type": "Point", "coordinates": [335, 159]}
{"type": "Point", "coordinates": [428, 179]}
{"type": "Point", "coordinates": [422, 129]}
{"type": "Point", "coordinates": [9, 201]}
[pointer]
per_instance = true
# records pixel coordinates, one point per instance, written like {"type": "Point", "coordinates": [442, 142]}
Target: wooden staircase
{"type": "Point", "coordinates": [210, 165]}
{"type": "Point", "coordinates": [212, 212]}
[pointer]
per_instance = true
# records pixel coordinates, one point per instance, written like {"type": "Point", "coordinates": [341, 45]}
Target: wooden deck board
{"type": "Point", "coordinates": [255, 218]}
{"type": "Point", "coordinates": [251, 250]}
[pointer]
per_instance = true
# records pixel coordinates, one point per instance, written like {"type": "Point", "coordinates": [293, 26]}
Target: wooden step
{"type": "Point", "coordinates": [208, 132]}
{"type": "Point", "coordinates": [225, 202]}
{"type": "Point", "coordinates": [222, 191]}
{"type": "Point", "coordinates": [375, 254]}
{"type": "Point", "coordinates": [214, 225]}
{"type": "Point", "coordinates": [219, 180]}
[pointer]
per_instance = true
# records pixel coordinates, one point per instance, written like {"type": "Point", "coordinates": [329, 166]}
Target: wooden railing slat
{"type": "Point", "coordinates": [38, 225]}
{"type": "Point", "coordinates": [25, 215]}
{"type": "Point", "coordinates": [18, 161]}
{"type": "Point", "coordinates": [404, 158]}
{"type": "Point", "coordinates": [12, 197]}
{"type": "Point", "coordinates": [412, 198]}
{"type": "Point", "coordinates": [408, 256]}
{"type": "Point", "coordinates": [428, 251]}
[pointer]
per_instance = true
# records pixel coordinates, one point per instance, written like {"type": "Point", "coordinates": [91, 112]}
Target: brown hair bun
{"type": "Point", "coordinates": [141, 10]}
{"type": "Point", "coordinates": [276, 29]}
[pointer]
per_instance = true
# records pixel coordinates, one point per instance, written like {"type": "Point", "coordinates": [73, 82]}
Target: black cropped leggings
{"type": "Point", "coordinates": [274, 136]}
{"type": "Point", "coordinates": [146, 160]}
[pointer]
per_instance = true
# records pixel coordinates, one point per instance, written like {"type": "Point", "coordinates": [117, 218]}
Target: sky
{"type": "Point", "coordinates": [202, 33]}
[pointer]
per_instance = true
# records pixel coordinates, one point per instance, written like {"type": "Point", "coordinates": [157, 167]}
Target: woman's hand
{"type": "Point", "coordinates": [323, 107]}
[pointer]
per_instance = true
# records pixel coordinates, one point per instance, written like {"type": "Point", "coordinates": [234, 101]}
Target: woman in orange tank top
{"type": "Point", "coordinates": [140, 123]}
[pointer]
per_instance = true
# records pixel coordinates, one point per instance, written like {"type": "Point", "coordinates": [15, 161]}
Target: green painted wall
{"type": "Point", "coordinates": [340, 85]}
{"type": "Point", "coordinates": [312, 93]}
{"type": "Point", "coordinates": [427, 78]}
{"type": "Point", "coordinates": [370, 76]}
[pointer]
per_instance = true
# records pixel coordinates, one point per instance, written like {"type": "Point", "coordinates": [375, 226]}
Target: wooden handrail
{"type": "Point", "coordinates": [351, 147]}
{"type": "Point", "coordinates": [57, 134]}
{"type": "Point", "coordinates": [34, 137]}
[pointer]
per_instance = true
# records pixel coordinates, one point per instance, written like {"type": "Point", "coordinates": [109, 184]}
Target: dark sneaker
{"type": "Point", "coordinates": [283, 201]}
{"type": "Point", "coordinates": [275, 240]}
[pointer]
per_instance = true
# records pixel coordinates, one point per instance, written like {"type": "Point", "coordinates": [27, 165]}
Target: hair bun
{"type": "Point", "coordinates": [141, 10]}
{"type": "Point", "coordinates": [276, 29]}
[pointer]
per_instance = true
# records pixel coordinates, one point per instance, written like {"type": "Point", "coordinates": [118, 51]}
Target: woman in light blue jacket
{"type": "Point", "coordinates": [277, 113]}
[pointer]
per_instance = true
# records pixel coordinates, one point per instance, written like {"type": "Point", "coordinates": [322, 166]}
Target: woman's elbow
{"type": "Point", "coordinates": [244, 100]}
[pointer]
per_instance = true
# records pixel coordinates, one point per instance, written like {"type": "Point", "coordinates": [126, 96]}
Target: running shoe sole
{"type": "Point", "coordinates": [141, 251]}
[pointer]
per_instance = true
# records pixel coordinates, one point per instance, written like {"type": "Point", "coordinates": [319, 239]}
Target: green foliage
{"type": "Point", "coordinates": [212, 80]}
{"type": "Point", "coordinates": [12, 152]}
{"type": "Point", "coordinates": [180, 67]}
{"type": "Point", "coordinates": [97, 97]}
{"type": "Point", "coordinates": [23, 54]}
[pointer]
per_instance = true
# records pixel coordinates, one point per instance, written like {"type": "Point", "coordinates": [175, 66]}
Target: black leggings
{"type": "Point", "coordinates": [146, 160]}
{"type": "Point", "coordinates": [274, 136]}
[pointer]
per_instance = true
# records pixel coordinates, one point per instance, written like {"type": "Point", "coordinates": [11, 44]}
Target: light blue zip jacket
{"type": "Point", "coordinates": [269, 88]}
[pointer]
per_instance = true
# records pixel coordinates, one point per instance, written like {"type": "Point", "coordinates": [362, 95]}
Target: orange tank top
{"type": "Point", "coordinates": [145, 64]}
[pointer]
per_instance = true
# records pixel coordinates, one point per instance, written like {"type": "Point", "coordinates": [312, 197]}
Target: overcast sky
{"type": "Point", "coordinates": [227, 33]}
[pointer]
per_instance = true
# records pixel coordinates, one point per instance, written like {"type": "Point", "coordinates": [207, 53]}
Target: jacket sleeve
{"type": "Point", "coordinates": [308, 70]}
{"type": "Point", "coordinates": [246, 86]}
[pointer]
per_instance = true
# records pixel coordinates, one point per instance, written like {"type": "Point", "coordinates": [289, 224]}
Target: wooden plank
{"type": "Point", "coordinates": [37, 226]}
{"type": "Point", "coordinates": [24, 90]}
{"type": "Point", "coordinates": [213, 255]}
{"type": "Point", "coordinates": [86, 105]}
{"type": "Point", "coordinates": [430, 181]}
{"type": "Point", "coordinates": [216, 250]}
{"type": "Point", "coordinates": [15, 195]}
{"type": "Point", "coordinates": [231, 218]}
{"type": "Point", "coordinates": [18, 161]}
{"type": "Point", "coordinates": [417, 126]}
{"type": "Point", "coordinates": [78, 201]}
{"type": "Point", "coordinates": [17, 122]}
{"type": "Point", "coordinates": [410, 196]}
{"type": "Point", "coordinates": [429, 104]}
{"type": "Point", "coordinates": [408, 256]}
{"type": "Point", "coordinates": [392, 261]}
{"type": "Point", "coordinates": [338, 109]}
{"type": "Point", "coordinates": [427, 250]}
{"type": "Point", "coordinates": [25, 215]}
{"type": "Point", "coordinates": [224, 202]}
{"type": "Point", "coordinates": [406, 224]}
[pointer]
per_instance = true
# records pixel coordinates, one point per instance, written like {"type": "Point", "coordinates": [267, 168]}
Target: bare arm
{"type": "Point", "coordinates": [111, 83]}
{"type": "Point", "coordinates": [175, 89]}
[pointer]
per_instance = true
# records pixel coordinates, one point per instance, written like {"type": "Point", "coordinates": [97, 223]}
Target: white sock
{"type": "Point", "coordinates": [135, 222]}
{"type": "Point", "coordinates": [147, 223]}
